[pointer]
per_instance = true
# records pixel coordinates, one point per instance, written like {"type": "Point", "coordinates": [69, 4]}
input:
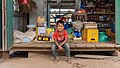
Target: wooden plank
{"type": "Point", "coordinates": [24, 45]}
{"type": "Point", "coordinates": [104, 45]}
{"type": "Point", "coordinates": [71, 43]}
{"type": "Point", "coordinates": [48, 45]}
{"type": "Point", "coordinates": [99, 45]}
{"type": "Point", "coordinates": [91, 56]}
{"type": "Point", "coordinates": [72, 46]}
{"type": "Point", "coordinates": [90, 45]}
{"type": "Point", "coordinates": [117, 46]}
{"type": "Point", "coordinates": [39, 44]}
{"type": "Point", "coordinates": [84, 44]}
{"type": "Point", "coordinates": [107, 45]}
{"type": "Point", "coordinates": [76, 49]}
{"type": "Point", "coordinates": [80, 46]}
{"type": "Point", "coordinates": [77, 41]}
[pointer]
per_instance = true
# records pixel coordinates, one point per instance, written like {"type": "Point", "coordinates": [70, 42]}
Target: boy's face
{"type": "Point", "coordinates": [60, 27]}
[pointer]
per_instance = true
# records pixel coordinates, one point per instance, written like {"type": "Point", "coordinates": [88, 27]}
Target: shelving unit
{"type": "Point", "coordinates": [101, 12]}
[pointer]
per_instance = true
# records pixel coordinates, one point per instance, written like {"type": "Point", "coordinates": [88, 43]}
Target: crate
{"type": "Point", "coordinates": [40, 21]}
{"type": "Point", "coordinates": [40, 30]}
{"type": "Point", "coordinates": [84, 34]}
{"type": "Point", "coordinates": [92, 35]}
{"type": "Point", "coordinates": [88, 25]}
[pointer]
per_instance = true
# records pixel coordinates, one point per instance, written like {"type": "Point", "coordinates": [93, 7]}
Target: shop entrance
{"type": "Point", "coordinates": [102, 15]}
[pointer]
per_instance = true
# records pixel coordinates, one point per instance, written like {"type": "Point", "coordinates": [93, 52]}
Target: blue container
{"type": "Point", "coordinates": [66, 26]}
{"type": "Point", "coordinates": [79, 34]}
{"type": "Point", "coordinates": [75, 33]}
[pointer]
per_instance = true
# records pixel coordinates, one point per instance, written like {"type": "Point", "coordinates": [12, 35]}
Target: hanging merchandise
{"type": "Point", "coordinates": [26, 6]}
{"type": "Point", "coordinates": [23, 1]}
{"type": "Point", "coordinates": [16, 5]}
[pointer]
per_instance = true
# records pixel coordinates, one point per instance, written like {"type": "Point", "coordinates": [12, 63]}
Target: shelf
{"type": "Point", "coordinates": [103, 27]}
{"type": "Point", "coordinates": [99, 7]}
{"type": "Point", "coordinates": [100, 14]}
{"type": "Point", "coordinates": [98, 21]}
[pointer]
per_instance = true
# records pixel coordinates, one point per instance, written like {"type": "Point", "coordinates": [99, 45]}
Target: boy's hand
{"type": "Point", "coordinates": [60, 48]}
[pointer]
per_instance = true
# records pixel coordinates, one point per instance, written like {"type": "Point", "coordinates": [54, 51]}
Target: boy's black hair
{"type": "Point", "coordinates": [60, 21]}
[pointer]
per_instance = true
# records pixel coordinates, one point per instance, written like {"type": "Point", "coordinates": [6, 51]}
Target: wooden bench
{"type": "Point", "coordinates": [74, 46]}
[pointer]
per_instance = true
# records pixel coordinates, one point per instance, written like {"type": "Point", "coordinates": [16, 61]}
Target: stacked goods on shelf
{"type": "Point", "coordinates": [80, 15]}
{"type": "Point", "coordinates": [101, 12]}
{"type": "Point", "coordinates": [90, 25]}
{"type": "Point", "coordinates": [90, 32]}
{"type": "Point", "coordinates": [41, 30]}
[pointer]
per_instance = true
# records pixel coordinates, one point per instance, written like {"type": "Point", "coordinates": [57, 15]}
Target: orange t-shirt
{"type": "Point", "coordinates": [60, 36]}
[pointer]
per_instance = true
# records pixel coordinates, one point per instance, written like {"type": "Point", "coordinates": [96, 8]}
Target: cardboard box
{"type": "Point", "coordinates": [40, 30]}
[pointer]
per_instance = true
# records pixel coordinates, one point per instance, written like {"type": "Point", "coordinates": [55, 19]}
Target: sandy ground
{"type": "Point", "coordinates": [45, 61]}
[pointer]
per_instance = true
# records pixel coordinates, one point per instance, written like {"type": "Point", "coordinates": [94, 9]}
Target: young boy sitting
{"type": "Point", "coordinates": [60, 37]}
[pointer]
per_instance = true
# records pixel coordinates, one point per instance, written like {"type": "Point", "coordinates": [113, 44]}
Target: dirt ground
{"type": "Point", "coordinates": [45, 61]}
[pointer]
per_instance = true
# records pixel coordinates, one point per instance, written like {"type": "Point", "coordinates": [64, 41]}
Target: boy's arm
{"type": "Point", "coordinates": [64, 42]}
{"type": "Point", "coordinates": [66, 38]}
{"type": "Point", "coordinates": [56, 42]}
{"type": "Point", "coordinates": [55, 38]}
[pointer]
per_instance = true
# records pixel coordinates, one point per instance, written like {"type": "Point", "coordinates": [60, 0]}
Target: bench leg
{"type": "Point", "coordinates": [5, 54]}
{"type": "Point", "coordinates": [116, 53]}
